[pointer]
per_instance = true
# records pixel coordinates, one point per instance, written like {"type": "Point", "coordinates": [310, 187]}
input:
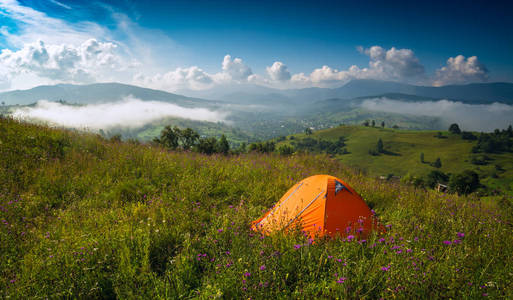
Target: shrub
{"type": "Point", "coordinates": [464, 183]}
{"type": "Point", "coordinates": [454, 129]}
{"type": "Point", "coordinates": [434, 177]}
{"type": "Point", "coordinates": [285, 150]}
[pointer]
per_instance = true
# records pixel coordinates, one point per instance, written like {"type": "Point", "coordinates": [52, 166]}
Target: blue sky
{"type": "Point", "coordinates": [164, 40]}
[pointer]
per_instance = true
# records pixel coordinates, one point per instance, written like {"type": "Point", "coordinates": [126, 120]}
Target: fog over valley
{"type": "Point", "coordinates": [474, 117]}
{"type": "Point", "coordinates": [129, 112]}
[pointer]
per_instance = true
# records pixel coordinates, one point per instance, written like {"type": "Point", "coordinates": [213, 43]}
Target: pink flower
{"type": "Point", "coordinates": [384, 269]}
{"type": "Point", "coordinates": [447, 242]}
{"type": "Point", "coordinates": [262, 267]}
{"type": "Point", "coordinates": [350, 237]}
{"type": "Point", "coordinates": [341, 279]}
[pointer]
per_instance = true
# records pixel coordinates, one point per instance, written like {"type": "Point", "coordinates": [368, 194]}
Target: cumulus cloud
{"type": "Point", "coordinates": [278, 71]}
{"type": "Point", "coordinates": [63, 62]}
{"type": "Point", "coordinates": [193, 78]}
{"type": "Point", "coordinates": [233, 71]}
{"type": "Point", "coordinates": [391, 64]}
{"type": "Point", "coordinates": [45, 50]}
{"type": "Point", "coordinates": [129, 112]}
{"type": "Point", "coordinates": [479, 117]}
{"type": "Point", "coordinates": [235, 68]}
{"type": "Point", "coordinates": [461, 70]}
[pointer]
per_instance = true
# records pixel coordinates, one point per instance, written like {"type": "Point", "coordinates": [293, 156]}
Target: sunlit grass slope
{"type": "Point", "coordinates": [404, 147]}
{"type": "Point", "coordinates": [82, 217]}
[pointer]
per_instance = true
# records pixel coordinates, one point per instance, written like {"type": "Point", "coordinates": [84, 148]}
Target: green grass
{"type": "Point", "coordinates": [405, 147]}
{"type": "Point", "coordinates": [82, 217]}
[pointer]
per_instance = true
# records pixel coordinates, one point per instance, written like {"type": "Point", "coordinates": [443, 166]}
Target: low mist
{"type": "Point", "coordinates": [130, 112]}
{"type": "Point", "coordinates": [474, 117]}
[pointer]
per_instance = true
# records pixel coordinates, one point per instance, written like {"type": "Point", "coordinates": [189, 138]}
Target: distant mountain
{"type": "Point", "coordinates": [475, 93]}
{"type": "Point", "coordinates": [245, 94]}
{"type": "Point", "coordinates": [96, 93]}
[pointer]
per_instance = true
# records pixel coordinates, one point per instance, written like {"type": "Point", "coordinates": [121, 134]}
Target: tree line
{"type": "Point", "coordinates": [189, 140]}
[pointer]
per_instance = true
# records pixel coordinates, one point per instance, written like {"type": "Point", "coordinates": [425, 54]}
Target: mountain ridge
{"type": "Point", "coordinates": [96, 93]}
{"type": "Point", "coordinates": [474, 93]}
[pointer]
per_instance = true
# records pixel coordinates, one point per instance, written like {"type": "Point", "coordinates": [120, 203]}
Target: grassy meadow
{"type": "Point", "coordinates": [403, 149]}
{"type": "Point", "coordinates": [84, 217]}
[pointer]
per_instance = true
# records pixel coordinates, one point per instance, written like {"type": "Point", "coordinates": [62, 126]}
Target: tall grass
{"type": "Point", "coordinates": [83, 217]}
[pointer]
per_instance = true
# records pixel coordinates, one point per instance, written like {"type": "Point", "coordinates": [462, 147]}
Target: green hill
{"type": "Point", "coordinates": [84, 217]}
{"type": "Point", "coordinates": [404, 147]}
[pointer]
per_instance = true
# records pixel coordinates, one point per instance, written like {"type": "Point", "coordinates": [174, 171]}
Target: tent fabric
{"type": "Point", "coordinates": [319, 205]}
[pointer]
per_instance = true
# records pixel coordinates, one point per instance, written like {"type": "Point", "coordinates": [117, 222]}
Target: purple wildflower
{"type": "Point", "coordinates": [297, 246]}
{"type": "Point", "coordinates": [460, 235]}
{"type": "Point", "coordinates": [456, 242]}
{"type": "Point", "coordinates": [247, 274]}
{"type": "Point", "coordinates": [262, 267]}
{"type": "Point", "coordinates": [384, 269]}
{"type": "Point", "coordinates": [350, 237]}
{"type": "Point", "coordinates": [341, 279]}
{"type": "Point", "coordinates": [447, 242]}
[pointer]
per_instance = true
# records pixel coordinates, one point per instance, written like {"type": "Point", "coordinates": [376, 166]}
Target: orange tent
{"type": "Point", "coordinates": [320, 204]}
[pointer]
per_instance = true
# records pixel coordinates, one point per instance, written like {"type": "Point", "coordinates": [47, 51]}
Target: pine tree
{"type": "Point", "coordinates": [379, 146]}
{"type": "Point", "coordinates": [222, 145]}
{"type": "Point", "coordinates": [437, 163]}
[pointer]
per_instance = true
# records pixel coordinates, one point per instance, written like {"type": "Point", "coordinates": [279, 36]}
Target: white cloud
{"type": "Point", "coordinates": [61, 4]}
{"type": "Point", "coordinates": [460, 70]}
{"type": "Point", "coordinates": [33, 25]}
{"type": "Point", "coordinates": [233, 71]}
{"type": "Point", "coordinates": [235, 68]}
{"type": "Point", "coordinates": [129, 112]}
{"type": "Point", "coordinates": [78, 52]}
{"type": "Point", "coordinates": [392, 64]}
{"type": "Point", "coordinates": [86, 62]}
{"type": "Point", "coordinates": [278, 71]}
{"type": "Point", "coordinates": [479, 117]}
{"type": "Point", "coordinates": [192, 78]}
